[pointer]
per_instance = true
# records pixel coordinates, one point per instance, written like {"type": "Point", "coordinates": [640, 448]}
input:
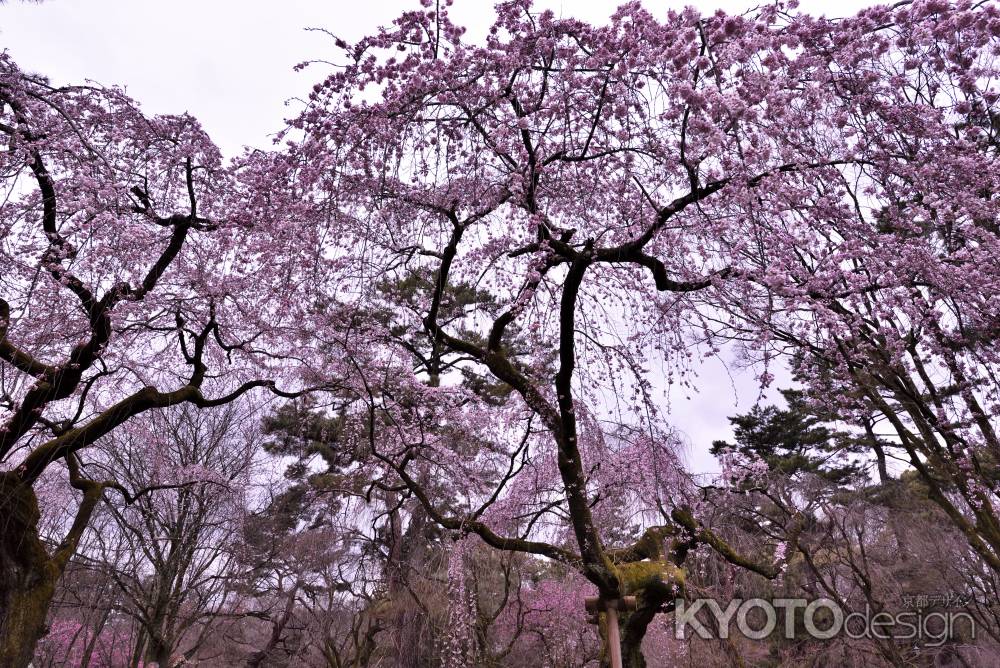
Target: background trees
{"type": "Point", "coordinates": [167, 561]}
{"type": "Point", "coordinates": [879, 280]}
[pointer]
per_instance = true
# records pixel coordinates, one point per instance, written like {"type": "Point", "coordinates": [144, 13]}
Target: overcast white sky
{"type": "Point", "coordinates": [229, 63]}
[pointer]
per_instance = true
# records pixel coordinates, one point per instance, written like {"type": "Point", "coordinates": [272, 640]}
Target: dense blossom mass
{"type": "Point", "coordinates": [394, 392]}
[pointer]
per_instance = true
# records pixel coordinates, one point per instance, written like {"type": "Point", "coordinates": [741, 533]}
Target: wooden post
{"type": "Point", "coordinates": [614, 639]}
{"type": "Point", "coordinates": [610, 608]}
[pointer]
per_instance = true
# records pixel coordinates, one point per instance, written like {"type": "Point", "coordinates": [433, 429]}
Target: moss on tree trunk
{"type": "Point", "coordinates": [655, 584]}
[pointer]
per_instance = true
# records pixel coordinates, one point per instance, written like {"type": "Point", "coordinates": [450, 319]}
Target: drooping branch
{"type": "Point", "coordinates": [471, 525]}
{"type": "Point", "coordinates": [13, 355]}
{"type": "Point", "coordinates": [702, 534]}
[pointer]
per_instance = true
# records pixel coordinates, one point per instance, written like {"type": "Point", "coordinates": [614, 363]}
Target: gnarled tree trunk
{"type": "Point", "coordinates": [27, 574]}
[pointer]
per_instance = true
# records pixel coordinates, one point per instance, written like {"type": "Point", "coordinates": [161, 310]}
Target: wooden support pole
{"type": "Point", "coordinates": [610, 608]}
{"type": "Point", "coordinates": [614, 639]}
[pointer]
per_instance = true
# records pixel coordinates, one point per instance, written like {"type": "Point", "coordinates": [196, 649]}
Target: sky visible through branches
{"type": "Point", "coordinates": [231, 64]}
